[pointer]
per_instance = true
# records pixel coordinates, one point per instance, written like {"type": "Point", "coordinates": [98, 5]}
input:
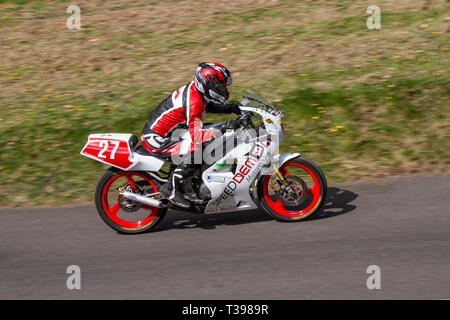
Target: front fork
{"type": "Point", "coordinates": [284, 184]}
{"type": "Point", "coordinates": [279, 160]}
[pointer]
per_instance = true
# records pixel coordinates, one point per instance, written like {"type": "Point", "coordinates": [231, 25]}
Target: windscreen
{"type": "Point", "coordinates": [255, 100]}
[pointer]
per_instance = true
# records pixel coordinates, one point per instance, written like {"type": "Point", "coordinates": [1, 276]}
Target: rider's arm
{"type": "Point", "coordinates": [195, 125]}
{"type": "Point", "coordinates": [215, 107]}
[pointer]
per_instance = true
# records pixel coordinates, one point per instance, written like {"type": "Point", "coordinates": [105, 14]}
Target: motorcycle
{"type": "Point", "coordinates": [249, 174]}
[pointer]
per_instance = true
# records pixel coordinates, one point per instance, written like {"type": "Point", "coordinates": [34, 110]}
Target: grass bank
{"type": "Point", "coordinates": [361, 103]}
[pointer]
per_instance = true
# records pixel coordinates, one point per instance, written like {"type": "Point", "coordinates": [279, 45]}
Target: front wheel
{"type": "Point", "coordinates": [123, 215]}
{"type": "Point", "coordinates": [308, 183]}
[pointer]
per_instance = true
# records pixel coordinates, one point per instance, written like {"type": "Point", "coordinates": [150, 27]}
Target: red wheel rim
{"type": "Point", "coordinates": [279, 207]}
{"type": "Point", "coordinates": [111, 211]}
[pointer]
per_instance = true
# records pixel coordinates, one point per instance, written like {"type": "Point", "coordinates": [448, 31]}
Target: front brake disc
{"type": "Point", "coordinates": [300, 190]}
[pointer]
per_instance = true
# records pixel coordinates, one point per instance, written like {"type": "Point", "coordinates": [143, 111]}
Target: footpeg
{"type": "Point", "coordinates": [194, 200]}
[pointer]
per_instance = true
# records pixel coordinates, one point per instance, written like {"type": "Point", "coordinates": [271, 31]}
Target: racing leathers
{"type": "Point", "coordinates": [184, 108]}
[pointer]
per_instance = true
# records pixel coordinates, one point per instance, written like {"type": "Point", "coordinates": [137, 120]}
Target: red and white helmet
{"type": "Point", "coordinates": [212, 80]}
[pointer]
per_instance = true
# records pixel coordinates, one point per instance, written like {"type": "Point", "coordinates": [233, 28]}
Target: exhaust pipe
{"type": "Point", "coordinates": [142, 199]}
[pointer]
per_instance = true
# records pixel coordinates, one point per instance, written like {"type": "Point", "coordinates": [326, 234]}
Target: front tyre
{"type": "Point", "coordinates": [310, 191]}
{"type": "Point", "coordinates": [124, 215]}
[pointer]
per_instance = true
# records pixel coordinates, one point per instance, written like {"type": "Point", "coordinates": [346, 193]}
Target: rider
{"type": "Point", "coordinates": [185, 108]}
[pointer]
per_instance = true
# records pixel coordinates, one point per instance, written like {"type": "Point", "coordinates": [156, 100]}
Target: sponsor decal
{"type": "Point", "coordinates": [216, 179]}
{"type": "Point", "coordinates": [226, 206]}
{"type": "Point", "coordinates": [273, 111]}
{"type": "Point", "coordinates": [252, 162]}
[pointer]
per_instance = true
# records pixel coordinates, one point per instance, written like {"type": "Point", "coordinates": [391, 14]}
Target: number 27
{"type": "Point", "coordinates": [104, 145]}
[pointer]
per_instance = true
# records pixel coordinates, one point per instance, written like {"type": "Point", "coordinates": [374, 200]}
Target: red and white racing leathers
{"type": "Point", "coordinates": [184, 108]}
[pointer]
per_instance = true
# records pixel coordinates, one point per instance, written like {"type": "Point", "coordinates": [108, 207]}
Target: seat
{"type": "Point", "coordinates": [133, 141]}
{"type": "Point", "coordinates": [144, 152]}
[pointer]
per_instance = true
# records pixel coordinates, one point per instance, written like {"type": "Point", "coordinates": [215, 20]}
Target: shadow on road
{"type": "Point", "coordinates": [337, 203]}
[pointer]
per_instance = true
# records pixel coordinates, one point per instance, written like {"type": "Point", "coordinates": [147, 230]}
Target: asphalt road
{"type": "Point", "coordinates": [401, 225]}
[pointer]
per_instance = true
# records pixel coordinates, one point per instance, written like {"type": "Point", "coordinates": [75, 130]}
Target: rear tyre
{"type": "Point", "coordinates": [124, 215]}
{"type": "Point", "coordinates": [309, 184]}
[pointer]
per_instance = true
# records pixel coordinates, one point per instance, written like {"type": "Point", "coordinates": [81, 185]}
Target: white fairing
{"type": "Point", "coordinates": [230, 187]}
{"type": "Point", "coordinates": [145, 163]}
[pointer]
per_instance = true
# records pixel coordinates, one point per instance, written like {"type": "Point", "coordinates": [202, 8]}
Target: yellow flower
{"type": "Point", "coordinates": [338, 70]}
{"type": "Point", "coordinates": [80, 109]}
{"type": "Point", "coordinates": [297, 135]}
{"type": "Point", "coordinates": [322, 111]}
{"type": "Point", "coordinates": [314, 104]}
{"type": "Point", "coordinates": [315, 117]}
{"type": "Point", "coordinates": [339, 127]}
{"type": "Point", "coordinates": [304, 75]}
{"type": "Point", "coordinates": [319, 107]}
{"type": "Point", "coordinates": [333, 130]}
{"type": "Point", "coordinates": [391, 86]}
{"type": "Point", "coordinates": [51, 109]}
{"type": "Point", "coordinates": [388, 98]}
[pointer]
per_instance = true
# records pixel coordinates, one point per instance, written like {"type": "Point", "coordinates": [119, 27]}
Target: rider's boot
{"type": "Point", "coordinates": [171, 190]}
{"type": "Point", "coordinates": [189, 193]}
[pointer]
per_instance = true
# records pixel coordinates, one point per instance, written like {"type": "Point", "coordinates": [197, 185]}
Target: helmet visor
{"type": "Point", "coordinates": [229, 80]}
{"type": "Point", "coordinates": [221, 89]}
{"type": "Point", "coordinates": [219, 92]}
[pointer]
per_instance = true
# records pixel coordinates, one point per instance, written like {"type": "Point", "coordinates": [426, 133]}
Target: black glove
{"type": "Point", "coordinates": [236, 108]}
{"type": "Point", "coordinates": [215, 107]}
{"type": "Point", "coordinates": [230, 124]}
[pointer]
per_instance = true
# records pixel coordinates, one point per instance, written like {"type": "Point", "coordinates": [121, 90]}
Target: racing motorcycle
{"type": "Point", "coordinates": [250, 174]}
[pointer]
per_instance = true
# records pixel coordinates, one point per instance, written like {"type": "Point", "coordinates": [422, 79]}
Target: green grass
{"type": "Point", "coordinates": [382, 96]}
{"type": "Point", "coordinates": [15, 1]}
{"type": "Point", "coordinates": [375, 133]}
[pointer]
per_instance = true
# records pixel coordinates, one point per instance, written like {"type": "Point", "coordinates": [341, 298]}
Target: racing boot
{"type": "Point", "coordinates": [189, 193]}
{"type": "Point", "coordinates": [171, 190]}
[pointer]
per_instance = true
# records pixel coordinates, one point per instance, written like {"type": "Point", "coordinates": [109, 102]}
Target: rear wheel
{"type": "Point", "coordinates": [125, 215]}
{"type": "Point", "coordinates": [308, 183]}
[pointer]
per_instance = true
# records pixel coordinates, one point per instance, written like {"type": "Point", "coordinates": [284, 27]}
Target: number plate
{"type": "Point", "coordinates": [108, 150]}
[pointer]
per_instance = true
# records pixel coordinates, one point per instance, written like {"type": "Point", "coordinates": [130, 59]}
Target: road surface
{"type": "Point", "coordinates": [401, 225]}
